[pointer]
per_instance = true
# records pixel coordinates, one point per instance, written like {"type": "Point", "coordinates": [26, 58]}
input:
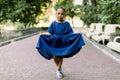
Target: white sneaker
{"type": "Point", "coordinates": [61, 70]}
{"type": "Point", "coordinates": [59, 74]}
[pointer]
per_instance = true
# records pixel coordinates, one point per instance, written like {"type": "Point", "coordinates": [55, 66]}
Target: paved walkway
{"type": "Point", "coordinates": [20, 61]}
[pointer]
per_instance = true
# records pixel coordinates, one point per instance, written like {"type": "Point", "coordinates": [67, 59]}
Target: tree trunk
{"type": "Point", "coordinates": [92, 2]}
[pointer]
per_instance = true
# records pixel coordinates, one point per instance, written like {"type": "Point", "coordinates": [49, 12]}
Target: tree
{"type": "Point", "coordinates": [24, 11]}
{"type": "Point", "coordinates": [89, 12]}
{"type": "Point", "coordinates": [111, 11]}
{"type": "Point", "coordinates": [105, 11]}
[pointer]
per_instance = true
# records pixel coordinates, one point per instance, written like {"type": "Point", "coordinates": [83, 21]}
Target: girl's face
{"type": "Point", "coordinates": [60, 14]}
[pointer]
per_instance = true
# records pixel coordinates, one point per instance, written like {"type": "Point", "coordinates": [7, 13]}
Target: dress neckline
{"type": "Point", "coordinates": [60, 22]}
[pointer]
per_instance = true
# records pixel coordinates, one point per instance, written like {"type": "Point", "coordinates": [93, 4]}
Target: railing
{"type": "Point", "coordinates": [9, 37]}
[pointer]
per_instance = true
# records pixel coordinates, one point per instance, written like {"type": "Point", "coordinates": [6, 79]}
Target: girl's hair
{"type": "Point", "coordinates": [61, 8]}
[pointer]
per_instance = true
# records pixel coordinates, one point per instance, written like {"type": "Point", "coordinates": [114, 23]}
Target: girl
{"type": "Point", "coordinates": [61, 43]}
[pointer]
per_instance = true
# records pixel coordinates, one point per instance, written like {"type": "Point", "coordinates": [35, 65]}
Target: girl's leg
{"type": "Point", "coordinates": [58, 61]}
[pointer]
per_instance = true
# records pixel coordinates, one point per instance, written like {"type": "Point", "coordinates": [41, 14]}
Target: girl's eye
{"type": "Point", "coordinates": [60, 13]}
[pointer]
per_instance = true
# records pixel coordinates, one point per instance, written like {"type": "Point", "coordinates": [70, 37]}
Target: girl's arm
{"type": "Point", "coordinates": [49, 31]}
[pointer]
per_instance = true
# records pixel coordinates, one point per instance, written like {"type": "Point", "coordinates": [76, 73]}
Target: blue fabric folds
{"type": "Point", "coordinates": [59, 45]}
{"type": "Point", "coordinates": [62, 41]}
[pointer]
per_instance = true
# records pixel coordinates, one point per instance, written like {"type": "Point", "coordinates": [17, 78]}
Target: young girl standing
{"type": "Point", "coordinates": [61, 43]}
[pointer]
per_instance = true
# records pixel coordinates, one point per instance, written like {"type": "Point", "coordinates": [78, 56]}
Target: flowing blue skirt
{"type": "Point", "coordinates": [59, 45]}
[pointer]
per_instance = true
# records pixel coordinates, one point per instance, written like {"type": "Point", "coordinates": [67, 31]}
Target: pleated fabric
{"type": "Point", "coordinates": [62, 41]}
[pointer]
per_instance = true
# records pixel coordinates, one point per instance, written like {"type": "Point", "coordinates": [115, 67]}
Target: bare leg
{"type": "Point", "coordinates": [55, 60]}
{"type": "Point", "coordinates": [58, 61]}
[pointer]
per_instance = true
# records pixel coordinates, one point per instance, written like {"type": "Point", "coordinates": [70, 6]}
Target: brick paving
{"type": "Point", "coordinates": [20, 61]}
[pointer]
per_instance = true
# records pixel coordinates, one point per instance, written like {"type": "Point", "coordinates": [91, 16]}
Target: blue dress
{"type": "Point", "coordinates": [62, 41]}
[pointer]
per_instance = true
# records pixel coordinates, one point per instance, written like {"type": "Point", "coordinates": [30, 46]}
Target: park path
{"type": "Point", "coordinates": [21, 61]}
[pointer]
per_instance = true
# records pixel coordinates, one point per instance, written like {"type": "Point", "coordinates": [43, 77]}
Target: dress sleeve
{"type": "Point", "coordinates": [70, 30]}
{"type": "Point", "coordinates": [50, 28]}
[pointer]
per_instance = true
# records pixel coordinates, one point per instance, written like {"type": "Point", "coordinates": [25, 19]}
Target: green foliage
{"type": "Point", "coordinates": [106, 11]}
{"type": "Point", "coordinates": [71, 10]}
{"type": "Point", "coordinates": [24, 11]}
{"type": "Point", "coordinates": [111, 11]}
{"type": "Point", "coordinates": [88, 14]}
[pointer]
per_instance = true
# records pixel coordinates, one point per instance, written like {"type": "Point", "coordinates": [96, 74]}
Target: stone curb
{"type": "Point", "coordinates": [16, 39]}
